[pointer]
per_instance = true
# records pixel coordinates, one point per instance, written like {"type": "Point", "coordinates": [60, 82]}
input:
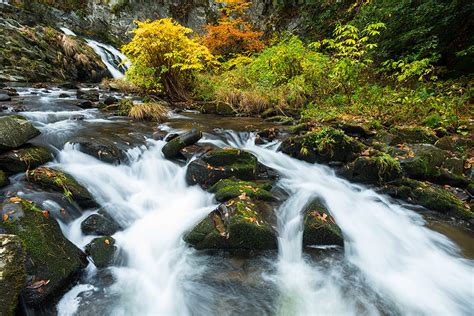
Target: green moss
{"type": "Point", "coordinates": [52, 257]}
{"type": "Point", "coordinates": [3, 179]}
{"type": "Point", "coordinates": [23, 159]}
{"type": "Point", "coordinates": [319, 227]}
{"type": "Point", "coordinates": [227, 189]}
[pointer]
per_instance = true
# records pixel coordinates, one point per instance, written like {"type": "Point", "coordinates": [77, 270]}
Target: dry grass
{"type": "Point", "coordinates": [69, 46]}
{"type": "Point", "coordinates": [121, 85]}
{"type": "Point", "coordinates": [149, 111]}
{"type": "Point", "coordinates": [245, 101]}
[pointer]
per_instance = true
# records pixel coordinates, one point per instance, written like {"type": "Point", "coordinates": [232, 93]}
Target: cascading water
{"type": "Point", "coordinates": [112, 58]}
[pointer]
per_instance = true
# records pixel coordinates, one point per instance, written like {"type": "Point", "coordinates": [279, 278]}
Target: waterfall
{"type": "Point", "coordinates": [113, 59]}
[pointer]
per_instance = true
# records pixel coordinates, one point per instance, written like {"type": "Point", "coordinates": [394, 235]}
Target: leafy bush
{"type": "Point", "coordinates": [165, 58]}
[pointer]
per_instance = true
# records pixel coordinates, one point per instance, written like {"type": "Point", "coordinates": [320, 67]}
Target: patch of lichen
{"type": "Point", "coordinates": [51, 257]}
{"type": "Point", "coordinates": [227, 189]}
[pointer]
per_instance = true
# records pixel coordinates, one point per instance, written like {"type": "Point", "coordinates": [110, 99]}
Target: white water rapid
{"type": "Point", "coordinates": [392, 264]}
{"type": "Point", "coordinates": [112, 58]}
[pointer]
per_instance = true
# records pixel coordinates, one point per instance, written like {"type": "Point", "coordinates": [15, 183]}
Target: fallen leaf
{"type": "Point", "coordinates": [38, 284]}
{"type": "Point", "coordinates": [15, 199]}
{"type": "Point", "coordinates": [5, 217]}
{"type": "Point", "coordinates": [45, 213]}
{"type": "Point", "coordinates": [107, 242]}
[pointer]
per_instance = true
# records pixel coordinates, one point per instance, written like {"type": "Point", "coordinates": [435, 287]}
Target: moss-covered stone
{"type": "Point", "coordinates": [51, 179]}
{"type": "Point", "coordinates": [52, 261]}
{"type": "Point", "coordinates": [239, 224]}
{"type": "Point", "coordinates": [25, 158]}
{"type": "Point", "coordinates": [227, 189]}
{"type": "Point", "coordinates": [413, 135]}
{"type": "Point", "coordinates": [174, 146]}
{"type": "Point", "coordinates": [378, 168]}
{"type": "Point", "coordinates": [221, 164]}
{"type": "Point", "coordinates": [12, 273]}
{"type": "Point", "coordinates": [3, 179]}
{"type": "Point", "coordinates": [101, 148]}
{"type": "Point", "coordinates": [102, 251]}
{"type": "Point", "coordinates": [323, 146]}
{"type": "Point", "coordinates": [15, 131]}
{"type": "Point", "coordinates": [319, 227]}
{"type": "Point", "coordinates": [429, 196]}
{"type": "Point", "coordinates": [281, 120]}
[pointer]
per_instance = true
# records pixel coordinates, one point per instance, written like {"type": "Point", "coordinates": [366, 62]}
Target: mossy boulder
{"type": "Point", "coordinates": [3, 179]}
{"type": "Point", "coordinates": [323, 146]}
{"type": "Point", "coordinates": [238, 224]}
{"type": "Point", "coordinates": [102, 250]}
{"type": "Point", "coordinates": [100, 148]}
{"type": "Point", "coordinates": [15, 131]}
{"type": "Point", "coordinates": [53, 262]}
{"type": "Point", "coordinates": [55, 180]}
{"type": "Point", "coordinates": [428, 162]}
{"type": "Point", "coordinates": [320, 227]}
{"type": "Point", "coordinates": [222, 164]}
{"type": "Point", "coordinates": [378, 168]}
{"type": "Point", "coordinates": [412, 135]}
{"type": "Point", "coordinates": [429, 196]}
{"type": "Point", "coordinates": [12, 273]}
{"type": "Point", "coordinates": [174, 146]}
{"type": "Point", "coordinates": [25, 158]}
{"type": "Point", "coordinates": [100, 224]}
{"type": "Point", "coordinates": [227, 189]}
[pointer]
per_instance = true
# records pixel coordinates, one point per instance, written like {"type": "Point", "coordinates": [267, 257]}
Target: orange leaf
{"type": "Point", "coordinates": [15, 199]}
{"type": "Point", "coordinates": [5, 217]}
{"type": "Point", "coordinates": [107, 242]}
{"type": "Point", "coordinates": [45, 213]}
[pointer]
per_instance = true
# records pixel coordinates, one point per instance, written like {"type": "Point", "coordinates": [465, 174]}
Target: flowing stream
{"type": "Point", "coordinates": [391, 263]}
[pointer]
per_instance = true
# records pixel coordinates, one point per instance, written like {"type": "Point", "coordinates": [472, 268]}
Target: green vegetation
{"type": "Point", "coordinates": [227, 189]}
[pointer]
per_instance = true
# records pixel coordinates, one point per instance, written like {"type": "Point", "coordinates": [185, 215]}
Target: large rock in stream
{"type": "Point", "coordinates": [100, 224]}
{"type": "Point", "coordinates": [25, 158]}
{"type": "Point", "coordinates": [174, 146]}
{"type": "Point", "coordinates": [12, 273]}
{"type": "Point", "coordinates": [101, 148]}
{"type": "Point", "coordinates": [52, 262]}
{"type": "Point", "coordinates": [221, 164]}
{"type": "Point", "coordinates": [55, 180]}
{"type": "Point", "coordinates": [238, 224]}
{"type": "Point", "coordinates": [324, 145]}
{"type": "Point", "coordinates": [15, 131]}
{"type": "Point", "coordinates": [102, 250]}
{"type": "Point", "coordinates": [320, 227]}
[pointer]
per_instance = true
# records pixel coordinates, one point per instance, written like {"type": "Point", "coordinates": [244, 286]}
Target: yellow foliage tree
{"type": "Point", "coordinates": [165, 58]}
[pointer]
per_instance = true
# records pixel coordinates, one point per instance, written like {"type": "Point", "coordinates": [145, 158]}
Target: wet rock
{"type": "Point", "coordinates": [25, 158]}
{"type": "Point", "coordinates": [110, 100]}
{"type": "Point", "coordinates": [5, 97]}
{"type": "Point", "coordinates": [55, 180]}
{"type": "Point", "coordinates": [173, 147]}
{"type": "Point", "coordinates": [221, 164]}
{"type": "Point", "coordinates": [217, 108]}
{"type": "Point", "coordinates": [12, 273]}
{"type": "Point", "coordinates": [15, 131]}
{"type": "Point", "coordinates": [227, 189]}
{"type": "Point", "coordinates": [320, 227]}
{"type": "Point", "coordinates": [3, 179]}
{"type": "Point", "coordinates": [102, 251]}
{"type": "Point", "coordinates": [454, 165]}
{"type": "Point", "coordinates": [378, 168]}
{"type": "Point", "coordinates": [63, 95]}
{"type": "Point", "coordinates": [323, 146]}
{"type": "Point", "coordinates": [354, 128]}
{"type": "Point", "coordinates": [101, 148]}
{"type": "Point", "coordinates": [86, 104]}
{"type": "Point", "coordinates": [413, 135]}
{"type": "Point", "coordinates": [267, 135]}
{"type": "Point", "coordinates": [69, 85]}
{"type": "Point", "coordinates": [90, 95]}
{"type": "Point", "coordinates": [429, 196]}
{"type": "Point", "coordinates": [236, 225]}
{"type": "Point", "coordinates": [52, 261]}
{"type": "Point", "coordinates": [101, 224]}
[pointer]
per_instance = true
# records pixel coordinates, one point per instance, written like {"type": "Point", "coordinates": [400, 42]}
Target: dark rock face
{"type": "Point", "coordinates": [110, 100]}
{"type": "Point", "coordinates": [86, 104]}
{"type": "Point", "coordinates": [51, 179]}
{"type": "Point", "coordinates": [3, 179]}
{"type": "Point", "coordinates": [15, 131]}
{"type": "Point", "coordinates": [429, 196]}
{"type": "Point", "coordinates": [102, 251]}
{"type": "Point", "coordinates": [239, 224]}
{"type": "Point", "coordinates": [101, 224]}
{"type": "Point", "coordinates": [413, 135]}
{"type": "Point", "coordinates": [323, 146]}
{"type": "Point", "coordinates": [89, 95]}
{"type": "Point", "coordinates": [174, 146]}
{"type": "Point", "coordinates": [24, 158]}
{"type": "Point", "coordinates": [319, 227]}
{"type": "Point", "coordinates": [221, 164]}
{"type": "Point", "coordinates": [101, 148]}
{"type": "Point", "coordinates": [52, 261]}
{"type": "Point", "coordinates": [12, 273]}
